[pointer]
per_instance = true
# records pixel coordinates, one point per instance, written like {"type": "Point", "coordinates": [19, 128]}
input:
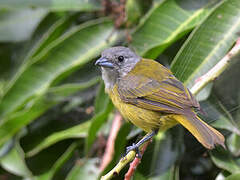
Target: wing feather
{"type": "Point", "coordinates": [155, 89]}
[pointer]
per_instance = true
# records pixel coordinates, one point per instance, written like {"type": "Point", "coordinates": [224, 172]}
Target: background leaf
{"type": "Point", "coordinates": [88, 170]}
{"type": "Point", "coordinates": [165, 23]}
{"type": "Point", "coordinates": [97, 121]}
{"type": "Point", "coordinates": [79, 131]}
{"type": "Point", "coordinates": [224, 160]}
{"type": "Point", "coordinates": [60, 5]}
{"type": "Point", "coordinates": [233, 177]}
{"type": "Point", "coordinates": [201, 51]}
{"type": "Point", "coordinates": [37, 78]}
{"type": "Point", "coordinates": [67, 154]}
{"type": "Point", "coordinates": [25, 21]}
{"type": "Point", "coordinates": [15, 163]}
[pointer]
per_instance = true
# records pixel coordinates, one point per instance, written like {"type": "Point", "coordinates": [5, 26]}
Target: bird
{"type": "Point", "coordinates": [148, 95]}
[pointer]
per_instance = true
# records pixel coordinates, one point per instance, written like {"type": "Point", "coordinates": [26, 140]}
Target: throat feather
{"type": "Point", "coordinates": [109, 77]}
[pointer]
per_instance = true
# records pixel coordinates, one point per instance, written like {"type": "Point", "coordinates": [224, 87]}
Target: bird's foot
{"type": "Point", "coordinates": [135, 148]}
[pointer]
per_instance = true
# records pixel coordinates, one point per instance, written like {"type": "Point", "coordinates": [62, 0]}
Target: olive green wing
{"type": "Point", "coordinates": [152, 86]}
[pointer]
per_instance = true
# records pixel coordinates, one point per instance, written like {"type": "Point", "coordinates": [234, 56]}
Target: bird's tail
{"type": "Point", "coordinates": [205, 134]}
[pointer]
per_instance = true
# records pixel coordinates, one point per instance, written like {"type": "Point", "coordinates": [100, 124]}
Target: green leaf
{"type": "Point", "coordinates": [50, 28]}
{"type": "Point", "coordinates": [96, 122]}
{"type": "Point", "coordinates": [41, 34]}
{"type": "Point", "coordinates": [78, 131]}
{"type": "Point", "coordinates": [68, 89]}
{"type": "Point", "coordinates": [165, 23]}
{"type": "Point", "coordinates": [69, 52]}
{"type": "Point", "coordinates": [166, 149]}
{"type": "Point", "coordinates": [53, 5]}
{"type": "Point", "coordinates": [19, 25]}
{"type": "Point", "coordinates": [133, 11]}
{"type": "Point", "coordinates": [58, 164]}
{"type": "Point", "coordinates": [87, 170]}
{"type": "Point", "coordinates": [18, 120]}
{"type": "Point", "coordinates": [233, 177]}
{"type": "Point", "coordinates": [224, 160]}
{"type": "Point", "coordinates": [138, 176]}
{"type": "Point", "coordinates": [208, 43]}
{"type": "Point", "coordinates": [217, 116]}
{"type": "Point", "coordinates": [14, 162]}
{"type": "Point", "coordinates": [233, 143]}
{"type": "Point", "coordinates": [101, 99]}
{"type": "Point", "coordinates": [171, 174]}
{"type": "Point", "coordinates": [7, 147]}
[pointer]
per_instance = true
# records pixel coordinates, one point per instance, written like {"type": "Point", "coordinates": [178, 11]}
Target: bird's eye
{"type": "Point", "coordinates": [120, 58]}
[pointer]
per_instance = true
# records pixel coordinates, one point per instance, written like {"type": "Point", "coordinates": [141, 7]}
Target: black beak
{"type": "Point", "coordinates": [104, 63]}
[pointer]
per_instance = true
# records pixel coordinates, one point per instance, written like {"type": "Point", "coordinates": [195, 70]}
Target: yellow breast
{"type": "Point", "coordinates": [145, 119]}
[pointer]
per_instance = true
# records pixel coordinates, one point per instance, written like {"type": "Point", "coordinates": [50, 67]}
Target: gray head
{"type": "Point", "coordinates": [116, 62]}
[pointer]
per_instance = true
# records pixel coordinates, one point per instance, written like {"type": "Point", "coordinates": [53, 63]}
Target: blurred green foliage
{"type": "Point", "coordinates": [54, 114]}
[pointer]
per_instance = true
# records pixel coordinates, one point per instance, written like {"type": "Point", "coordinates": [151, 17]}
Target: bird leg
{"type": "Point", "coordinates": [135, 147]}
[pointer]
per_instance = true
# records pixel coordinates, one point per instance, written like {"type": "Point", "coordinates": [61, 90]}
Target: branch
{"type": "Point", "coordinates": [109, 152]}
{"type": "Point", "coordinates": [135, 163]}
{"type": "Point", "coordinates": [122, 163]}
{"type": "Point", "coordinates": [213, 73]}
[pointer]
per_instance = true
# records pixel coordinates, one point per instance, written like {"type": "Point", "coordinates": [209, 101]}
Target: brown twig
{"type": "Point", "coordinates": [134, 164]}
{"type": "Point", "coordinates": [109, 152]}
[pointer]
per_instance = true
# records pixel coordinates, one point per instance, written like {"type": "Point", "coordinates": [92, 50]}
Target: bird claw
{"type": "Point", "coordinates": [135, 148]}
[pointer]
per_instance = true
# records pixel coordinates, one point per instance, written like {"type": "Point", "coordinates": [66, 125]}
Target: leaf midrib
{"type": "Point", "coordinates": [213, 52]}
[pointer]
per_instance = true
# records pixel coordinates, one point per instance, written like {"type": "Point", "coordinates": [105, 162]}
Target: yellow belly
{"type": "Point", "coordinates": [145, 119]}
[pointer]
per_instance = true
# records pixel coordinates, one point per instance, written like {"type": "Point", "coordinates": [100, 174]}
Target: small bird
{"type": "Point", "coordinates": [151, 97]}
